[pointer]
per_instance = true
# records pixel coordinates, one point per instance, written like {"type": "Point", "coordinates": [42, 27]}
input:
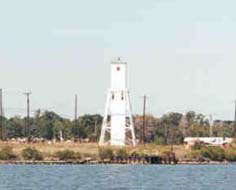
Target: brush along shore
{"type": "Point", "coordinates": [91, 153]}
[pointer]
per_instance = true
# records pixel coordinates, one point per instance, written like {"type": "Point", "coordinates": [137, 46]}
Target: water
{"type": "Point", "coordinates": [114, 177]}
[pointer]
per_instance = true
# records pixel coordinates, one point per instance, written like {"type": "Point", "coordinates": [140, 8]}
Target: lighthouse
{"type": "Point", "coordinates": [117, 127]}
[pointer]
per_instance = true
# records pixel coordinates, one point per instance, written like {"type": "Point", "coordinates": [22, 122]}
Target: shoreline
{"type": "Point", "coordinates": [26, 162]}
{"type": "Point", "coordinates": [92, 154]}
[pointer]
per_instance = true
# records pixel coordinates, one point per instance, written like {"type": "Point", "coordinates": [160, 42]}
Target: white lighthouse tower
{"type": "Point", "coordinates": [117, 127]}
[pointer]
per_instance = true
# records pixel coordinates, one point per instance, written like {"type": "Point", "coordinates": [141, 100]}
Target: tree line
{"type": "Point", "coordinates": [171, 128]}
{"type": "Point", "coordinates": [49, 125]}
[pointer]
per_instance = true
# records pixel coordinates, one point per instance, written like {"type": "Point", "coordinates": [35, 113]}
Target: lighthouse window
{"type": "Point", "coordinates": [118, 68]}
{"type": "Point", "coordinates": [113, 97]}
{"type": "Point", "coordinates": [122, 96]}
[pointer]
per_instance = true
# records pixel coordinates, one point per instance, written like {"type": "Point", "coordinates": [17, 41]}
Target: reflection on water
{"type": "Point", "coordinates": [122, 177]}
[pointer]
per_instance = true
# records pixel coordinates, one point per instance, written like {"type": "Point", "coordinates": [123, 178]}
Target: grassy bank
{"type": "Point", "coordinates": [83, 152]}
{"type": "Point", "coordinates": [92, 149]}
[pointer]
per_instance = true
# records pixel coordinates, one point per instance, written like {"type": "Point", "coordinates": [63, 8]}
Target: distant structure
{"type": "Point", "coordinates": [184, 124]}
{"type": "Point", "coordinates": [117, 127]}
{"type": "Point", "coordinates": [212, 141]}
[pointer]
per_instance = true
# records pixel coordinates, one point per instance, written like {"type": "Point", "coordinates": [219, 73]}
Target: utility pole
{"type": "Point", "coordinates": [144, 118]}
{"type": "Point", "coordinates": [235, 121]}
{"type": "Point", "coordinates": [211, 125]}
{"type": "Point", "coordinates": [1, 115]}
{"type": "Point", "coordinates": [95, 128]}
{"type": "Point", "coordinates": [76, 107]}
{"type": "Point", "coordinates": [27, 131]}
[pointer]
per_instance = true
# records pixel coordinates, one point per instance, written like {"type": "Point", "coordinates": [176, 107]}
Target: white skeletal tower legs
{"type": "Point", "coordinates": [118, 128]}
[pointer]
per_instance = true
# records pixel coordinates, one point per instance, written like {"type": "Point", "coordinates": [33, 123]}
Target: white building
{"type": "Point", "coordinates": [118, 128]}
{"type": "Point", "coordinates": [214, 141]}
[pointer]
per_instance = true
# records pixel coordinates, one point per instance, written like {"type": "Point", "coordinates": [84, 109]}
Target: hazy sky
{"type": "Point", "coordinates": [181, 53]}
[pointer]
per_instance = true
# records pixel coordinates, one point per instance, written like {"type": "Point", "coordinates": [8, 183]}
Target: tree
{"type": "Point", "coordinates": [47, 125]}
{"type": "Point", "coordinates": [168, 129]}
{"type": "Point", "coordinates": [15, 127]}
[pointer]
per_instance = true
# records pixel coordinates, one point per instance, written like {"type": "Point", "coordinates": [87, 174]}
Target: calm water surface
{"type": "Point", "coordinates": [124, 177]}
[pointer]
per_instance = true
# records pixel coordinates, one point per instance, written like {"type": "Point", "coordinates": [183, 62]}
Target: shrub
{"type": "Point", "coordinates": [68, 155]}
{"type": "Point", "coordinates": [159, 141]}
{"type": "Point", "coordinates": [195, 155]}
{"type": "Point", "coordinates": [105, 153]}
{"type": "Point", "coordinates": [213, 153]}
{"type": "Point", "coordinates": [7, 153]}
{"type": "Point", "coordinates": [122, 153]}
{"type": "Point", "coordinates": [30, 153]}
{"type": "Point", "coordinates": [134, 154]}
{"type": "Point", "coordinates": [230, 155]}
{"type": "Point", "coordinates": [78, 155]}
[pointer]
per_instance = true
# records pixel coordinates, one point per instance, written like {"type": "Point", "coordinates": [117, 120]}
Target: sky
{"type": "Point", "coordinates": [181, 54]}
